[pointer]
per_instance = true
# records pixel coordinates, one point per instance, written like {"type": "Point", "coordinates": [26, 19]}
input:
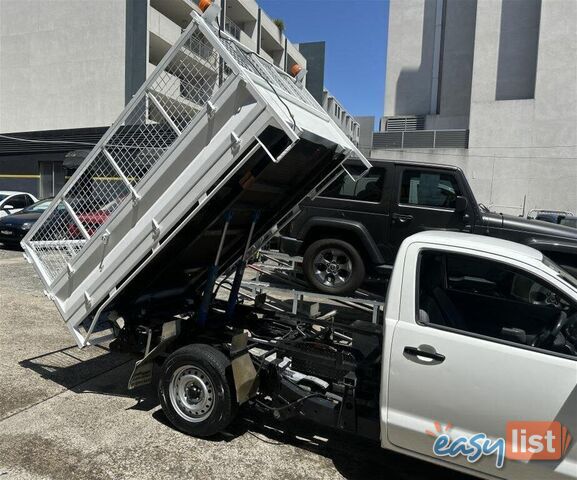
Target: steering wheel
{"type": "Point", "coordinates": [549, 336]}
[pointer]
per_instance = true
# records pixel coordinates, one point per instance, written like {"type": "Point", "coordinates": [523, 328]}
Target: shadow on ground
{"type": "Point", "coordinates": [81, 370]}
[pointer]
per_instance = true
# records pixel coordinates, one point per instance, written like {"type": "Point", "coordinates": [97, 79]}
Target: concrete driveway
{"type": "Point", "coordinates": [66, 414]}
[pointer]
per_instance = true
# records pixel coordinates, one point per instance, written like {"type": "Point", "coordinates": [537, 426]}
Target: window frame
{"type": "Point", "coordinates": [425, 207]}
{"type": "Point", "coordinates": [479, 336]}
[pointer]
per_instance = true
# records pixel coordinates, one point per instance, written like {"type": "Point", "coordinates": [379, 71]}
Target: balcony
{"type": "Point", "coordinates": [177, 11]}
{"type": "Point", "coordinates": [421, 139]}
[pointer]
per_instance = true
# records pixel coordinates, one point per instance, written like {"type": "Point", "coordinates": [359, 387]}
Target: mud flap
{"type": "Point", "coordinates": [243, 371]}
{"type": "Point", "coordinates": [142, 373]}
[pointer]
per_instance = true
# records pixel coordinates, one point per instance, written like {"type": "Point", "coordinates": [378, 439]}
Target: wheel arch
{"type": "Point", "coordinates": [350, 231]}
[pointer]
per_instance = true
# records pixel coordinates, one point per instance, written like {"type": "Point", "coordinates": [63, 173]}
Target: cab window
{"type": "Point", "coordinates": [368, 188]}
{"type": "Point", "coordinates": [428, 189]}
{"type": "Point", "coordinates": [495, 300]}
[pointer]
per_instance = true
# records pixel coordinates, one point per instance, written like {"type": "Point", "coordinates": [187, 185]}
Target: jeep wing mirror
{"type": "Point", "coordinates": [461, 204]}
{"type": "Point", "coordinates": [7, 207]}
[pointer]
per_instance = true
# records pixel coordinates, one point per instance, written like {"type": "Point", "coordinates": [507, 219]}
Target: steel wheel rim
{"type": "Point", "coordinates": [191, 393]}
{"type": "Point", "coordinates": [332, 267]}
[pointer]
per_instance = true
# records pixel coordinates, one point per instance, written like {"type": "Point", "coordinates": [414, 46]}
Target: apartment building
{"type": "Point", "coordinates": [68, 68]}
{"type": "Point", "coordinates": [491, 86]}
{"type": "Point", "coordinates": [341, 117]}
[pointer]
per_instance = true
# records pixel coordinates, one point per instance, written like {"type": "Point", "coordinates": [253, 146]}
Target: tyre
{"type": "Point", "coordinates": [333, 266]}
{"type": "Point", "coordinates": [195, 392]}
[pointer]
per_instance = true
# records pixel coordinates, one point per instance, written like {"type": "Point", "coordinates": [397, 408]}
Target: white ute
{"type": "Point", "coordinates": [474, 365]}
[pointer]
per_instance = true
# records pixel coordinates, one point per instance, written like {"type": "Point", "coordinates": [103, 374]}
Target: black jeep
{"type": "Point", "coordinates": [353, 230]}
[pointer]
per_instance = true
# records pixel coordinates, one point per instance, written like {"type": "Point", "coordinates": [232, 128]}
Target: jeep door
{"type": "Point", "coordinates": [426, 199]}
{"type": "Point", "coordinates": [359, 200]}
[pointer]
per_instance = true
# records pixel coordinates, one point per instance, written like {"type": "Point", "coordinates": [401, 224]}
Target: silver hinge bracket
{"type": "Point", "coordinates": [70, 269]}
{"type": "Point", "coordinates": [155, 230]}
{"type": "Point", "coordinates": [236, 141]}
{"type": "Point", "coordinates": [135, 197]}
{"type": "Point", "coordinates": [210, 110]}
{"type": "Point", "coordinates": [87, 299]}
{"type": "Point", "coordinates": [49, 295]}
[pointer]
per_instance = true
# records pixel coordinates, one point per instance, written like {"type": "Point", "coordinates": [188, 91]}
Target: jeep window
{"type": "Point", "coordinates": [495, 301]}
{"type": "Point", "coordinates": [428, 189]}
{"type": "Point", "coordinates": [368, 188]}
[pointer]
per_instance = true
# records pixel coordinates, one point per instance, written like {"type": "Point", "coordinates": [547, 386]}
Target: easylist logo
{"type": "Point", "coordinates": [526, 441]}
{"type": "Point", "coordinates": [537, 440]}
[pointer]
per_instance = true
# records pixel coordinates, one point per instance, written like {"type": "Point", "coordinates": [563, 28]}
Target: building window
{"type": "Point", "coordinates": [518, 49]}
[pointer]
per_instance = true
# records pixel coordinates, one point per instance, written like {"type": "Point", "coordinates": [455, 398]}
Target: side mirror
{"type": "Point", "coordinates": [461, 204]}
{"type": "Point", "coordinates": [7, 207]}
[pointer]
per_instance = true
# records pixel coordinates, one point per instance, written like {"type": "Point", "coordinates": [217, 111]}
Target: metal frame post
{"type": "Point", "coordinates": [240, 268]}
{"type": "Point", "coordinates": [212, 274]}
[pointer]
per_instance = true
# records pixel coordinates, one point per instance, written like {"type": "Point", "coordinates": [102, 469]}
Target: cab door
{"type": "Point", "coordinates": [426, 199]}
{"type": "Point", "coordinates": [454, 380]}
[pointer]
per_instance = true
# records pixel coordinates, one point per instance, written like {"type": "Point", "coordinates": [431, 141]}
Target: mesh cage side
{"type": "Point", "coordinates": [56, 241]}
{"type": "Point", "coordinates": [95, 195]}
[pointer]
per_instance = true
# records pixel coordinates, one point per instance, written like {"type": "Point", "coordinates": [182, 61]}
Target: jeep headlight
{"type": "Point", "coordinates": [27, 226]}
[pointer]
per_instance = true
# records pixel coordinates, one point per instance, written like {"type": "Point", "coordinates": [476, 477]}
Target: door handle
{"type": "Point", "coordinates": [417, 352]}
{"type": "Point", "coordinates": [402, 218]}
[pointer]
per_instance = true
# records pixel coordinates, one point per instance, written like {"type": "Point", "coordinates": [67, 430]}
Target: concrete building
{"type": "Point", "coordinates": [341, 117]}
{"type": "Point", "coordinates": [68, 68]}
{"type": "Point", "coordinates": [491, 86]}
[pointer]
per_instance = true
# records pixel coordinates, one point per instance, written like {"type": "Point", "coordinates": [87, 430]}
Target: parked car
{"type": "Point", "coordinates": [91, 219]}
{"type": "Point", "coordinates": [551, 216]}
{"type": "Point", "coordinates": [353, 230]}
{"type": "Point", "coordinates": [13, 227]}
{"type": "Point", "coordinates": [569, 222]}
{"type": "Point", "coordinates": [13, 202]}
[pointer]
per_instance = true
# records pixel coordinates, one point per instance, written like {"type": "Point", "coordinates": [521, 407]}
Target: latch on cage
{"type": "Point", "coordinates": [236, 141]}
{"type": "Point", "coordinates": [87, 299]}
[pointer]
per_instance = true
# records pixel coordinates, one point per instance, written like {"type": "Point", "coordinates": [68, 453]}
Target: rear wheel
{"type": "Point", "coordinates": [195, 392]}
{"type": "Point", "coordinates": [333, 266]}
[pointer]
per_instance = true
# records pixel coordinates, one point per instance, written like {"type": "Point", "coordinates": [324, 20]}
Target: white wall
{"type": "Point", "coordinates": [540, 132]}
{"type": "Point", "coordinates": [517, 148]}
{"type": "Point", "coordinates": [61, 63]}
{"type": "Point", "coordinates": [410, 57]}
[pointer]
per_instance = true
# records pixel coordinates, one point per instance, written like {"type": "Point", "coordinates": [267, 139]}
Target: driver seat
{"type": "Point", "coordinates": [436, 305]}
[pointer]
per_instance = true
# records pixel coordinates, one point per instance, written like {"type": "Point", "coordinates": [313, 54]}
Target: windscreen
{"type": "Point", "coordinates": [38, 207]}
